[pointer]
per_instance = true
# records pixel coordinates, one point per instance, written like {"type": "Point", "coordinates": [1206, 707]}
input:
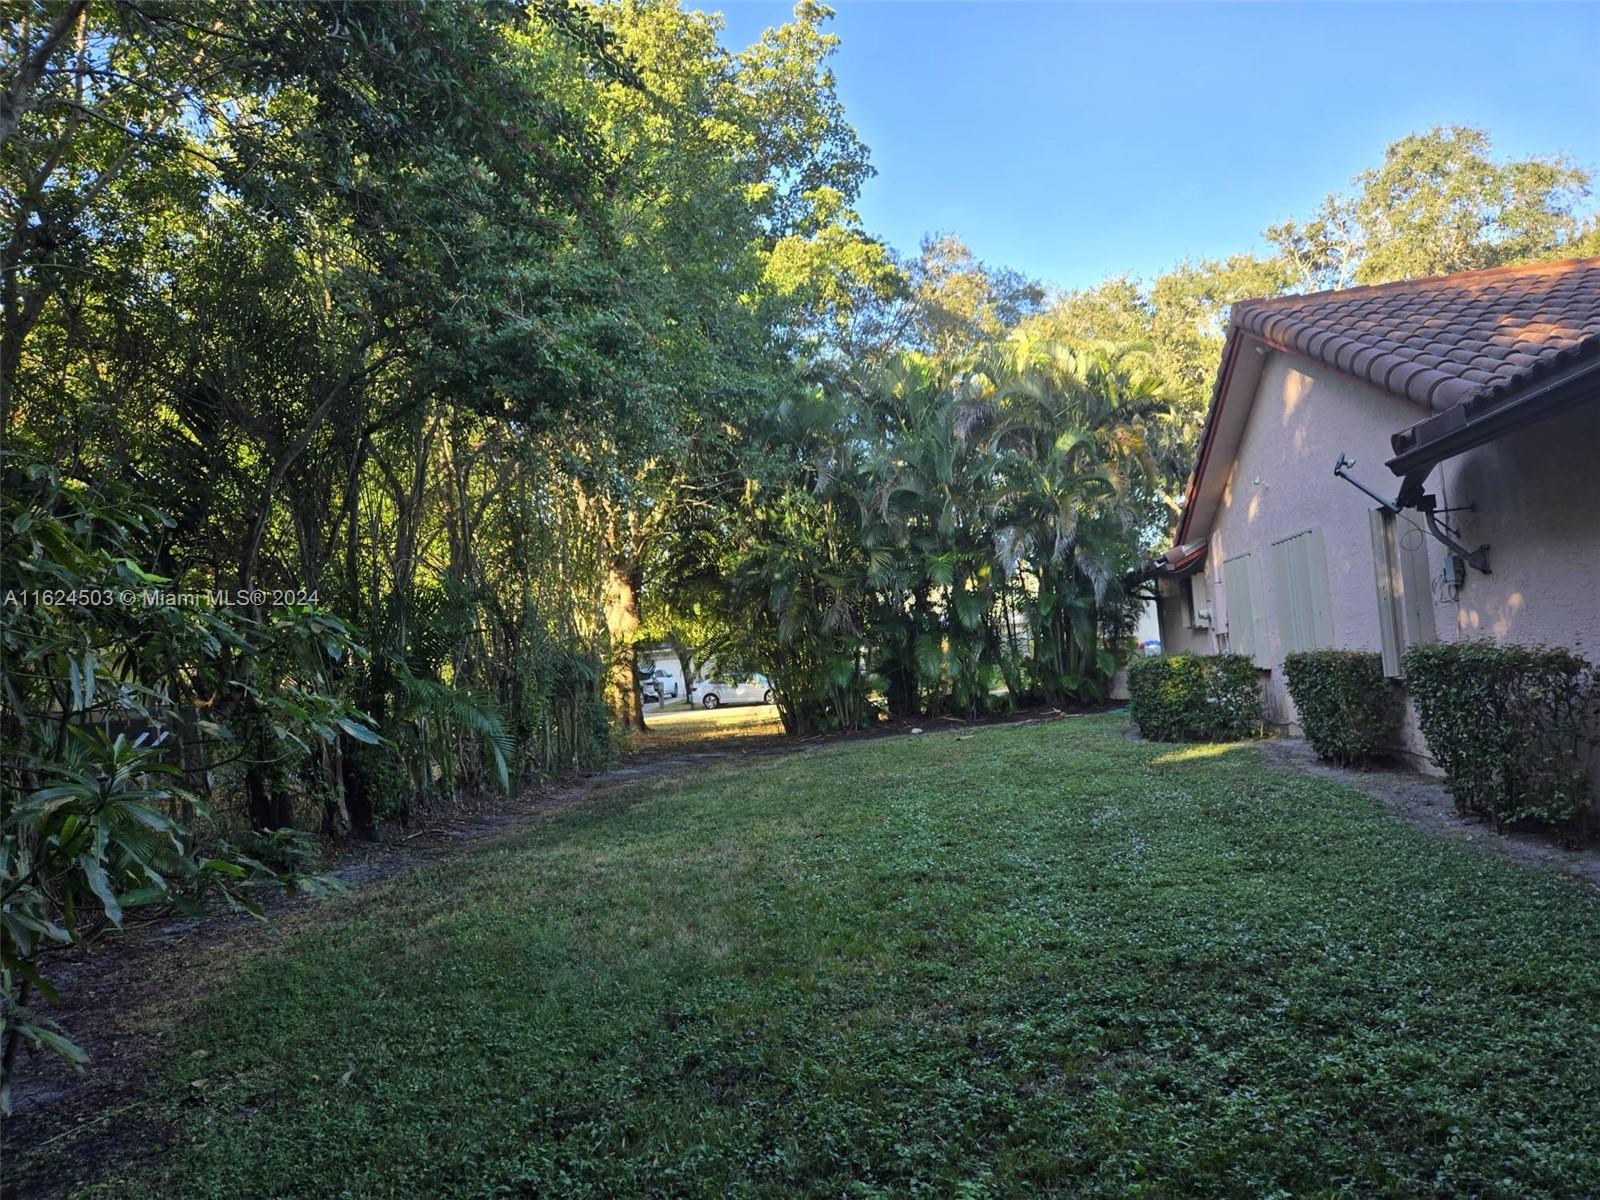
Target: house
{"type": "Point", "coordinates": [1396, 464]}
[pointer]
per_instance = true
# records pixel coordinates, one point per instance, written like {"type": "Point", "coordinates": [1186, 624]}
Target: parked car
{"type": "Point", "coordinates": [657, 684]}
{"type": "Point", "coordinates": [709, 693]}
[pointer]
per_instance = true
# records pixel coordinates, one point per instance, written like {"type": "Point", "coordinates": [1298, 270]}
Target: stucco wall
{"type": "Point", "coordinates": [1176, 636]}
{"type": "Point", "coordinates": [1537, 498]}
{"type": "Point", "coordinates": [1282, 483]}
{"type": "Point", "coordinates": [1535, 494]}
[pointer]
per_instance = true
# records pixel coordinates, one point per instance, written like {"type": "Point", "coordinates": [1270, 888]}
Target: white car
{"type": "Point", "coordinates": [709, 693]}
{"type": "Point", "coordinates": [663, 681]}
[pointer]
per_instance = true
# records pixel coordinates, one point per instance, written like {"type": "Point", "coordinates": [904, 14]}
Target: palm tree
{"type": "Point", "coordinates": [922, 520]}
{"type": "Point", "coordinates": [930, 507]}
{"type": "Point", "coordinates": [1074, 490]}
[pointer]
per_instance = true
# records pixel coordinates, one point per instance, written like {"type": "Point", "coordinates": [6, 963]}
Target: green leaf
{"type": "Point", "coordinates": [57, 1044]}
{"type": "Point", "coordinates": [95, 875]}
{"type": "Point", "coordinates": [360, 732]}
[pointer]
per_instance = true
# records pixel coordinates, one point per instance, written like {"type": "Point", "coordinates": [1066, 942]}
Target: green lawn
{"type": "Point", "coordinates": [1035, 960]}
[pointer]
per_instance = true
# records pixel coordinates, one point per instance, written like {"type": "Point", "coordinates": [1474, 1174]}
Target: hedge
{"type": "Point", "coordinates": [1195, 697]}
{"type": "Point", "coordinates": [1512, 727]}
{"type": "Point", "coordinates": [1348, 709]}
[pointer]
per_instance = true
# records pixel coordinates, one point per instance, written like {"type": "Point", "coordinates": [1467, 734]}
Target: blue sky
{"type": "Point", "coordinates": [1077, 141]}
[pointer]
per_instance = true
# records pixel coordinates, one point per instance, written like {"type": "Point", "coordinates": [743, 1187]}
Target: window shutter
{"type": "Point", "coordinates": [1241, 608]}
{"type": "Point", "coordinates": [1258, 612]}
{"type": "Point", "coordinates": [1289, 632]}
{"type": "Point", "coordinates": [1417, 577]}
{"type": "Point", "coordinates": [1390, 587]}
{"type": "Point", "coordinates": [1405, 588]}
{"type": "Point", "coordinates": [1300, 577]}
{"type": "Point", "coordinates": [1321, 594]}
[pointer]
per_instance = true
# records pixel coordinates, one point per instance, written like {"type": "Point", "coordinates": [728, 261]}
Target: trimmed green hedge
{"type": "Point", "coordinates": [1195, 697]}
{"type": "Point", "coordinates": [1512, 727]}
{"type": "Point", "coordinates": [1348, 708]}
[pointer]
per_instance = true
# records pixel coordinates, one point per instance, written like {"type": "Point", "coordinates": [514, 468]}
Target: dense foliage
{"type": "Point", "coordinates": [1348, 709]}
{"type": "Point", "coordinates": [1512, 727]}
{"type": "Point", "coordinates": [355, 358]}
{"type": "Point", "coordinates": [948, 537]}
{"type": "Point", "coordinates": [106, 755]}
{"type": "Point", "coordinates": [1195, 697]}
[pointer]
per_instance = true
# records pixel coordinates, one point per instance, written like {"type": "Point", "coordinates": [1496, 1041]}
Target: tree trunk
{"type": "Point", "coordinates": [269, 805]}
{"type": "Point", "coordinates": [330, 772]}
{"type": "Point", "coordinates": [685, 654]}
{"type": "Point", "coordinates": [621, 600]}
{"type": "Point", "coordinates": [901, 673]}
{"type": "Point", "coordinates": [358, 798]}
{"type": "Point", "coordinates": [8, 1065]}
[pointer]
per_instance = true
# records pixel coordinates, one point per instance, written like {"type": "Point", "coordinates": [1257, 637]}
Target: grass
{"type": "Point", "coordinates": [678, 728]}
{"type": "Point", "coordinates": [1035, 960]}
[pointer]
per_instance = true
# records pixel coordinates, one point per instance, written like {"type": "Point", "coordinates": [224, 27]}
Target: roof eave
{"type": "Point", "coordinates": [1229, 380]}
{"type": "Point", "coordinates": [1421, 447]}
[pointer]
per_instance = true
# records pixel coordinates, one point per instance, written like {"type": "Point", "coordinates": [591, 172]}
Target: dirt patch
{"type": "Point", "coordinates": [1423, 801]}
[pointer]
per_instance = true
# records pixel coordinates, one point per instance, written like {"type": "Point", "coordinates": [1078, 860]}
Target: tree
{"type": "Point", "coordinates": [944, 303]}
{"type": "Point", "coordinates": [1174, 328]}
{"type": "Point", "coordinates": [937, 529]}
{"type": "Point", "coordinates": [1075, 496]}
{"type": "Point", "coordinates": [1438, 204]}
{"type": "Point", "coordinates": [407, 310]}
{"type": "Point", "coordinates": [737, 174]}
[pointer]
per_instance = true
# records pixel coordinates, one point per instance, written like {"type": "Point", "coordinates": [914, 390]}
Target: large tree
{"type": "Point", "coordinates": [1440, 202]}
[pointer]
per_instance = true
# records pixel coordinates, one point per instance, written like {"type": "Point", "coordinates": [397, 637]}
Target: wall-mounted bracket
{"type": "Point", "coordinates": [1412, 496]}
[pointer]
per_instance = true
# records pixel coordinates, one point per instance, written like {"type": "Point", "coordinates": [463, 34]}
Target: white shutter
{"type": "Point", "coordinates": [1300, 578]}
{"type": "Point", "coordinates": [1386, 575]}
{"type": "Point", "coordinates": [1417, 577]}
{"type": "Point", "coordinates": [1241, 607]}
{"type": "Point", "coordinates": [1405, 588]}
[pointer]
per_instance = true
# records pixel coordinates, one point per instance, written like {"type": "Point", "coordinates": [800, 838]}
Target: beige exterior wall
{"type": "Point", "coordinates": [1177, 636]}
{"type": "Point", "coordinates": [1536, 494]}
{"type": "Point", "coordinates": [1537, 498]}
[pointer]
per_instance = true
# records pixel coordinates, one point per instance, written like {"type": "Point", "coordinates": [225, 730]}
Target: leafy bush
{"type": "Point", "coordinates": [1195, 698]}
{"type": "Point", "coordinates": [97, 824]}
{"type": "Point", "coordinates": [1512, 727]}
{"type": "Point", "coordinates": [1347, 706]}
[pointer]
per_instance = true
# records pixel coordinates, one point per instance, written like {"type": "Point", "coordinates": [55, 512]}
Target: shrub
{"type": "Point", "coordinates": [1194, 698]}
{"type": "Point", "coordinates": [97, 817]}
{"type": "Point", "coordinates": [1511, 727]}
{"type": "Point", "coordinates": [1347, 707]}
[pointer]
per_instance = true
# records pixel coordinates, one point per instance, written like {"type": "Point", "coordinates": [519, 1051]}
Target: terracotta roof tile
{"type": "Point", "coordinates": [1443, 341]}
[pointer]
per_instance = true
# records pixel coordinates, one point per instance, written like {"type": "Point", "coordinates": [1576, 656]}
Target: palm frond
{"type": "Point", "coordinates": [477, 715]}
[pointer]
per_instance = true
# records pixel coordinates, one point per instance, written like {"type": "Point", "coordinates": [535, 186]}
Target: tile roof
{"type": "Point", "coordinates": [1447, 340]}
